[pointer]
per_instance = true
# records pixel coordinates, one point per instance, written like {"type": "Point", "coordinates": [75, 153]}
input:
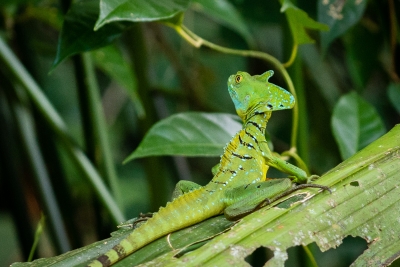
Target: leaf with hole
{"type": "Point", "coordinates": [364, 202]}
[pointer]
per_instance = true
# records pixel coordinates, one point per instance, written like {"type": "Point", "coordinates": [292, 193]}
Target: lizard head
{"type": "Point", "coordinates": [254, 94]}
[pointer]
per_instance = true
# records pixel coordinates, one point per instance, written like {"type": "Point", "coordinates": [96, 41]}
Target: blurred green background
{"type": "Point", "coordinates": [110, 86]}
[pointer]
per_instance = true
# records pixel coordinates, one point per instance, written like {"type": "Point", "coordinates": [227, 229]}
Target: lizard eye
{"type": "Point", "coordinates": [238, 78]}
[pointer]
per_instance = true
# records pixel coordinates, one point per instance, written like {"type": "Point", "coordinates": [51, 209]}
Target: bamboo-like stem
{"type": "Point", "coordinates": [97, 122]}
{"type": "Point", "coordinates": [19, 75]}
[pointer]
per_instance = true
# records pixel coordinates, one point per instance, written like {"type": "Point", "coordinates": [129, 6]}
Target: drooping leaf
{"type": "Point", "coordinates": [188, 134]}
{"type": "Point", "coordinates": [299, 21]}
{"type": "Point", "coordinates": [77, 34]}
{"type": "Point", "coordinates": [138, 10]}
{"type": "Point", "coordinates": [355, 123]}
{"type": "Point", "coordinates": [339, 15]}
{"type": "Point", "coordinates": [225, 13]}
{"type": "Point", "coordinates": [110, 60]}
{"type": "Point", "coordinates": [394, 95]}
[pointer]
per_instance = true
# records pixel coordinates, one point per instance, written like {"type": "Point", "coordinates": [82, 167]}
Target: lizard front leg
{"type": "Point", "coordinates": [297, 175]}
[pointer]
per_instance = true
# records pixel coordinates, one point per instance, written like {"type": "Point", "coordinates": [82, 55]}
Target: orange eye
{"type": "Point", "coordinates": [238, 78]}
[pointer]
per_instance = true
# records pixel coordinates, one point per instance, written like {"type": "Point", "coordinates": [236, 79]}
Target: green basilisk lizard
{"type": "Point", "coordinates": [239, 185]}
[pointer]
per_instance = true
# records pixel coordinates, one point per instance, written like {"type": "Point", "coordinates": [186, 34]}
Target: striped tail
{"type": "Point", "coordinates": [186, 210]}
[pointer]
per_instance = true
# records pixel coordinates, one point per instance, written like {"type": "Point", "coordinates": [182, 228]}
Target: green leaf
{"type": "Point", "coordinates": [339, 15]}
{"type": "Point", "coordinates": [225, 13]}
{"type": "Point", "coordinates": [355, 123]}
{"type": "Point", "coordinates": [77, 34]}
{"type": "Point", "coordinates": [138, 10]}
{"type": "Point", "coordinates": [394, 95]}
{"type": "Point", "coordinates": [299, 21]}
{"type": "Point", "coordinates": [110, 60]}
{"type": "Point", "coordinates": [188, 134]}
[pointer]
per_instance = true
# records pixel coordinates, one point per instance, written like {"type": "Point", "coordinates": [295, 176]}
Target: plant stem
{"type": "Point", "coordinates": [102, 155]}
{"type": "Point", "coordinates": [37, 164]}
{"type": "Point", "coordinates": [292, 56]}
{"type": "Point", "coordinates": [313, 262]}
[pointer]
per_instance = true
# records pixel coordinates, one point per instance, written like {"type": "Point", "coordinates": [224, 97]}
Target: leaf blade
{"type": "Point", "coordinates": [188, 134]}
{"type": "Point", "coordinates": [355, 123]}
{"type": "Point", "coordinates": [138, 11]}
{"type": "Point", "coordinates": [77, 34]}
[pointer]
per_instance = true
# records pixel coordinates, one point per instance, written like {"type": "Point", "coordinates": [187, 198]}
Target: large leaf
{"type": "Point", "coordinates": [188, 134]}
{"type": "Point", "coordinates": [339, 15]}
{"type": "Point", "coordinates": [355, 124]}
{"type": "Point", "coordinates": [77, 34]}
{"type": "Point", "coordinates": [299, 21]}
{"type": "Point", "coordinates": [138, 10]}
{"type": "Point", "coordinates": [225, 13]}
{"type": "Point", "coordinates": [364, 203]}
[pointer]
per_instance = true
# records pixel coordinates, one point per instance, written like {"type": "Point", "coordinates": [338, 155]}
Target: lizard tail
{"type": "Point", "coordinates": [184, 211]}
{"type": "Point", "coordinates": [118, 252]}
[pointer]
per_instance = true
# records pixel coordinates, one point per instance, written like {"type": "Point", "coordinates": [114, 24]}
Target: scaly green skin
{"type": "Point", "coordinates": [239, 185]}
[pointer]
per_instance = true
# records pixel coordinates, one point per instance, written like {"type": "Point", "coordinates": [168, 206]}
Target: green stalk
{"type": "Point", "coordinates": [38, 234]}
{"type": "Point", "coordinates": [311, 257]}
{"type": "Point", "coordinates": [20, 75]}
{"type": "Point", "coordinates": [39, 171]}
{"type": "Point", "coordinates": [303, 134]}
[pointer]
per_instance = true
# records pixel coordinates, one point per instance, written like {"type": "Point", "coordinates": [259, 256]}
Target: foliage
{"type": "Point", "coordinates": [82, 82]}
